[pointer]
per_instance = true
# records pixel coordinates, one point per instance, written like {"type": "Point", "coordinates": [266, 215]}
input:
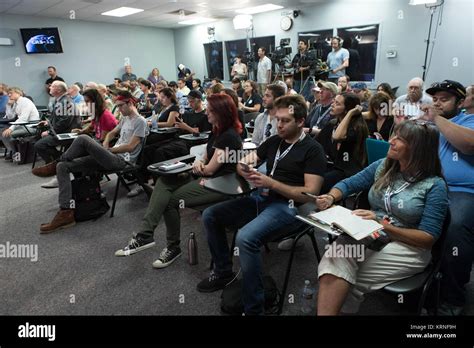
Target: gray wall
{"type": "Point", "coordinates": [92, 52]}
{"type": "Point", "coordinates": [406, 30]}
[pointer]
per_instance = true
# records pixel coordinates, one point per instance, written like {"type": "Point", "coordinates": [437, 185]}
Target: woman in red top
{"type": "Point", "coordinates": [103, 121]}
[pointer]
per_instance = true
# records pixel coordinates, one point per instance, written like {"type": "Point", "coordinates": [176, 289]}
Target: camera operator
{"type": "Point", "coordinates": [302, 65]}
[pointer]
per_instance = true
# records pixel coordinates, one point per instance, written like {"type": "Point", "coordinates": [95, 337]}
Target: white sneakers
{"type": "Point", "coordinates": [53, 183]}
{"type": "Point", "coordinates": [135, 192]}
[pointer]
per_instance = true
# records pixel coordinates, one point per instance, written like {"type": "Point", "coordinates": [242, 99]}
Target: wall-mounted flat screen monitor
{"type": "Point", "coordinates": [41, 40]}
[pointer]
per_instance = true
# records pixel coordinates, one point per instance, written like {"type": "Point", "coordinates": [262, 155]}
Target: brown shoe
{"type": "Point", "coordinates": [46, 170]}
{"type": "Point", "coordinates": [63, 219]}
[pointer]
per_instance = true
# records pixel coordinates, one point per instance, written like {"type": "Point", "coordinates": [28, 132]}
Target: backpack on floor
{"type": "Point", "coordinates": [232, 297]}
{"type": "Point", "coordinates": [89, 202]}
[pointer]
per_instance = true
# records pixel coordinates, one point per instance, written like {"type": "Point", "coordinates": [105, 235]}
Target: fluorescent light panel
{"type": "Point", "coordinates": [362, 29]}
{"type": "Point", "coordinates": [122, 12]}
{"type": "Point", "coordinates": [197, 20]}
{"type": "Point", "coordinates": [259, 9]}
{"type": "Point", "coordinates": [422, 2]}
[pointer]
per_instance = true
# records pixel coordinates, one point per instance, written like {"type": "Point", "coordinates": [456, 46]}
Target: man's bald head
{"type": "Point", "coordinates": [415, 89]}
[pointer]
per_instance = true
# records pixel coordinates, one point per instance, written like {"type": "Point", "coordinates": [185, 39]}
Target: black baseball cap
{"type": "Point", "coordinates": [195, 94]}
{"type": "Point", "coordinates": [450, 86]}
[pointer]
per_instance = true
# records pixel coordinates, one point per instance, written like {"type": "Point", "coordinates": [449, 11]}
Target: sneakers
{"type": "Point", "coordinates": [285, 245]}
{"type": "Point", "coordinates": [135, 245]}
{"type": "Point", "coordinates": [53, 183]}
{"type": "Point", "coordinates": [63, 219]}
{"type": "Point", "coordinates": [135, 192]}
{"type": "Point", "coordinates": [215, 282]}
{"type": "Point", "coordinates": [46, 170]}
{"type": "Point", "coordinates": [167, 257]}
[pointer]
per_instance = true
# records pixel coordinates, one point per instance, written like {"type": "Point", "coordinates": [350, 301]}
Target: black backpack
{"type": "Point", "coordinates": [232, 297]}
{"type": "Point", "coordinates": [89, 202]}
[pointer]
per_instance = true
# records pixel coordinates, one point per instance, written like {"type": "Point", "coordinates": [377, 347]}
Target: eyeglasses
{"type": "Point", "coordinates": [267, 130]}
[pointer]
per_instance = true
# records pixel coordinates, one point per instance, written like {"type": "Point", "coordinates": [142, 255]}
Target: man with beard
{"type": "Point", "coordinates": [456, 151]}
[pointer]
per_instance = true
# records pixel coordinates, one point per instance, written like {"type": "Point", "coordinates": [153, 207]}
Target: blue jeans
{"type": "Point", "coordinates": [257, 217]}
{"type": "Point", "coordinates": [306, 92]}
{"type": "Point", "coordinates": [459, 252]}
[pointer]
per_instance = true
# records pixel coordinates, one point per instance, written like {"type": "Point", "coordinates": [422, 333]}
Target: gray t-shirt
{"type": "Point", "coordinates": [129, 127]}
{"type": "Point", "coordinates": [335, 60]}
{"type": "Point", "coordinates": [261, 125]}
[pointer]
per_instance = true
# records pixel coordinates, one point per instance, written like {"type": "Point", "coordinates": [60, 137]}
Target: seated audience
{"type": "Point", "coordinates": [320, 115]}
{"type": "Point", "coordinates": [299, 168]}
{"type": "Point", "coordinates": [231, 93]}
{"type": "Point", "coordinates": [3, 99]}
{"type": "Point", "coordinates": [86, 155]}
{"type": "Point", "coordinates": [237, 87]}
{"type": "Point", "coordinates": [91, 85]}
{"type": "Point", "coordinates": [289, 87]}
{"type": "Point", "coordinates": [266, 122]}
{"type": "Point", "coordinates": [64, 117]}
{"type": "Point", "coordinates": [409, 104]}
{"type": "Point", "coordinates": [456, 152]}
{"type": "Point", "coordinates": [170, 191]}
{"type": "Point", "coordinates": [128, 76]}
{"type": "Point", "coordinates": [343, 85]}
{"type": "Point", "coordinates": [25, 111]}
{"type": "Point", "coordinates": [103, 121]}
{"type": "Point", "coordinates": [469, 101]}
{"type": "Point", "coordinates": [378, 118]}
{"type": "Point", "coordinates": [360, 89]}
{"type": "Point", "coordinates": [385, 87]}
{"type": "Point", "coordinates": [197, 86]}
{"type": "Point", "coordinates": [343, 140]}
{"type": "Point", "coordinates": [117, 82]}
{"type": "Point", "coordinates": [147, 99]}
{"type": "Point", "coordinates": [251, 101]}
{"type": "Point", "coordinates": [109, 105]}
{"type": "Point", "coordinates": [73, 92]}
{"type": "Point", "coordinates": [411, 174]}
{"type": "Point", "coordinates": [135, 89]}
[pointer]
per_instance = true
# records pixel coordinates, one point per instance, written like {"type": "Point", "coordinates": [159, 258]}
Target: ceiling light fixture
{"type": "Point", "coordinates": [197, 20]}
{"type": "Point", "coordinates": [259, 9]}
{"type": "Point", "coordinates": [421, 2]}
{"type": "Point", "coordinates": [122, 12]}
{"type": "Point", "coordinates": [243, 21]}
{"type": "Point", "coordinates": [362, 29]}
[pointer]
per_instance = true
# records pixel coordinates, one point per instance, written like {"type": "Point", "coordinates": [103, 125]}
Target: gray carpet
{"type": "Point", "coordinates": [78, 274]}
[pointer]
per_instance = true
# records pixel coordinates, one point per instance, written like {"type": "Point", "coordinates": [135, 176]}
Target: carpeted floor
{"type": "Point", "coordinates": [77, 273]}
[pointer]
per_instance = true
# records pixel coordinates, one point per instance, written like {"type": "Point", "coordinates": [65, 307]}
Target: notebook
{"type": "Point", "coordinates": [341, 218]}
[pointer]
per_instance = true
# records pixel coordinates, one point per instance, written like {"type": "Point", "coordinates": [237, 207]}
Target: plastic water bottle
{"type": "Point", "coordinates": [154, 121]}
{"type": "Point", "coordinates": [307, 306]}
{"type": "Point", "coordinates": [192, 250]}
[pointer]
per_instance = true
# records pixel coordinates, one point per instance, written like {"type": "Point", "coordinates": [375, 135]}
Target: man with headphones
{"type": "Point", "coordinates": [338, 60]}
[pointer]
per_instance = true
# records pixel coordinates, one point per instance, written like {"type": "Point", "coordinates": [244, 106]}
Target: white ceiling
{"type": "Point", "coordinates": [156, 12]}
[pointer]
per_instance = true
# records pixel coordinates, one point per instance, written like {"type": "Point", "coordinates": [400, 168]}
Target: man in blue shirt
{"type": "Point", "coordinates": [3, 99]}
{"type": "Point", "coordinates": [456, 151]}
{"type": "Point", "coordinates": [338, 60]}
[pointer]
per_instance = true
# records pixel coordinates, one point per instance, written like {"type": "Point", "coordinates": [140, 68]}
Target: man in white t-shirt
{"type": "Point", "coordinates": [26, 111]}
{"type": "Point", "coordinates": [264, 70]}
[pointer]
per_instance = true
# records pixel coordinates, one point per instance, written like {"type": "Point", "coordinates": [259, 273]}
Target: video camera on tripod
{"type": "Point", "coordinates": [281, 54]}
{"type": "Point", "coordinates": [312, 58]}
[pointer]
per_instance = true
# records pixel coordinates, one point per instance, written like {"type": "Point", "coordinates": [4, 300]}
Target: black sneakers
{"type": "Point", "coordinates": [215, 282]}
{"type": "Point", "coordinates": [135, 245]}
{"type": "Point", "coordinates": [167, 256]}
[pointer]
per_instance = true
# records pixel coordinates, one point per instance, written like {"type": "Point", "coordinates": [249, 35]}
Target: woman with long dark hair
{"type": "Point", "coordinates": [103, 121]}
{"type": "Point", "coordinates": [171, 192]}
{"type": "Point", "coordinates": [343, 140]}
{"type": "Point", "coordinates": [409, 197]}
{"type": "Point", "coordinates": [251, 101]}
{"type": "Point", "coordinates": [379, 119]}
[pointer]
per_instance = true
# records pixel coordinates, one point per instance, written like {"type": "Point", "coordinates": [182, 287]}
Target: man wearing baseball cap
{"type": "Point", "coordinates": [186, 74]}
{"type": "Point", "coordinates": [456, 151]}
{"type": "Point", "coordinates": [320, 115]}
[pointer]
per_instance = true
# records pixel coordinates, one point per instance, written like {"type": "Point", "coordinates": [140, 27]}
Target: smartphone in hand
{"type": "Point", "coordinates": [245, 167]}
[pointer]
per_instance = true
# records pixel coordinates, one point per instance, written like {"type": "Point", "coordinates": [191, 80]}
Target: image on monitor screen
{"type": "Point", "coordinates": [41, 40]}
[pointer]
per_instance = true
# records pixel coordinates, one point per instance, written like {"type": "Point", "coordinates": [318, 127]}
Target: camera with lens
{"type": "Point", "coordinates": [281, 54]}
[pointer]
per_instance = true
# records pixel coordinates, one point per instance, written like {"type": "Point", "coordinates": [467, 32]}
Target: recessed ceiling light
{"type": "Point", "coordinates": [122, 12]}
{"type": "Point", "coordinates": [421, 2]}
{"type": "Point", "coordinates": [197, 20]}
{"type": "Point", "coordinates": [259, 9]}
